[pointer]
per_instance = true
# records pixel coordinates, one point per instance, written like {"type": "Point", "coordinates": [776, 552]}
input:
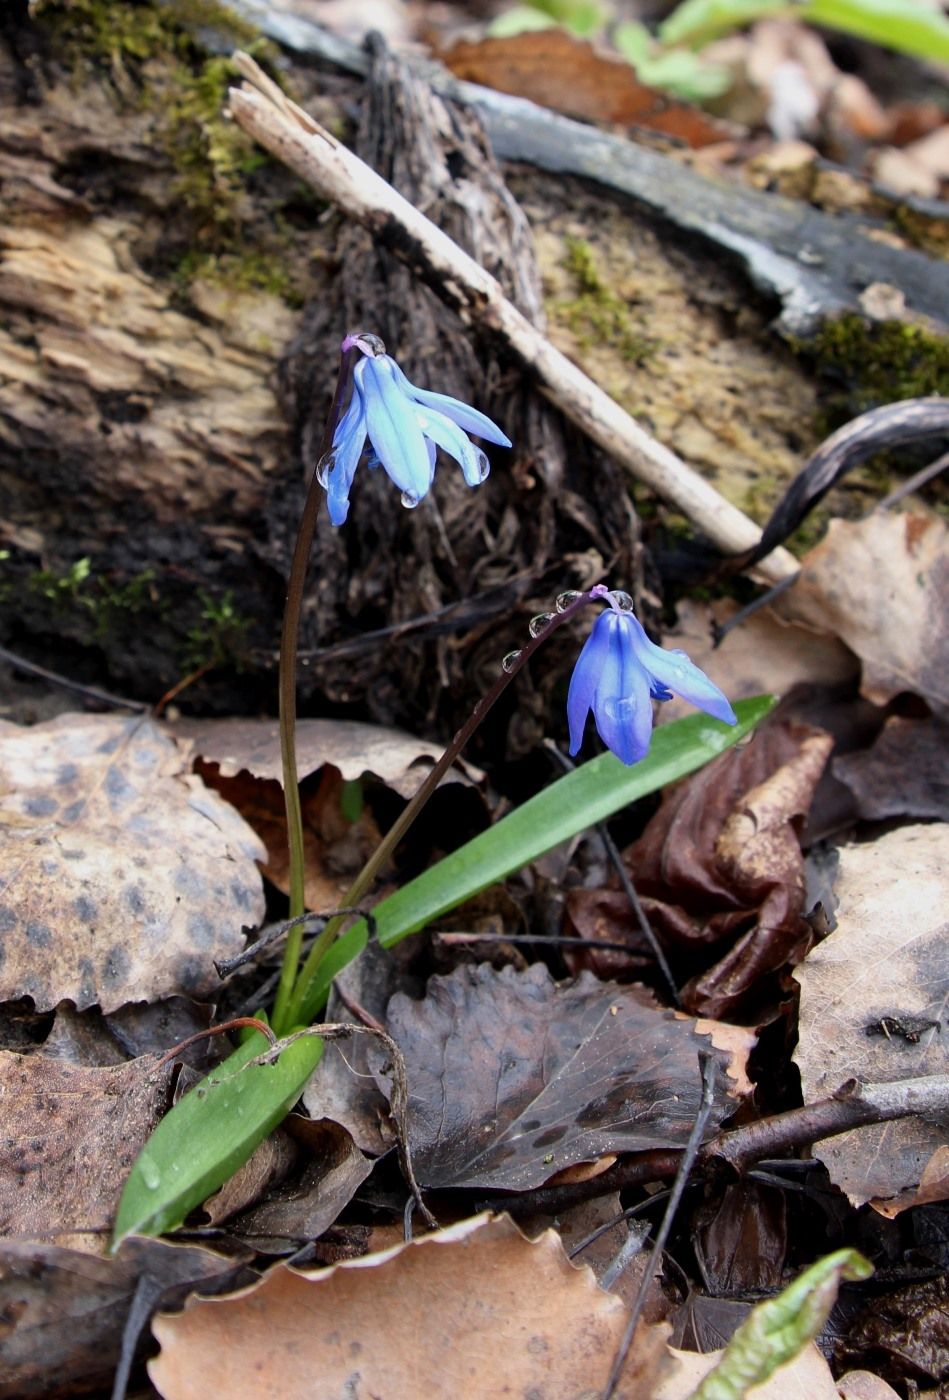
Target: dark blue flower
{"type": "Point", "coordinates": [403, 428]}
{"type": "Point", "coordinates": [618, 675]}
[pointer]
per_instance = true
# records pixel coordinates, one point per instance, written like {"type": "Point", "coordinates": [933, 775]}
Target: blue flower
{"type": "Point", "coordinates": [620, 672]}
{"type": "Point", "coordinates": [404, 427]}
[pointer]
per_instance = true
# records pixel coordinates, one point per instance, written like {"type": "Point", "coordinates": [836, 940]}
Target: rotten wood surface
{"type": "Point", "coordinates": [814, 264]}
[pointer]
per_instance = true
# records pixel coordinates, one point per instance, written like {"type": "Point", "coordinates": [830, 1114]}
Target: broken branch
{"type": "Point", "coordinates": [293, 136]}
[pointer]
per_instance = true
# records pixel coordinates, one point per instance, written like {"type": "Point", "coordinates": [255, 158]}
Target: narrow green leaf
{"type": "Point", "coordinates": [775, 1331]}
{"type": "Point", "coordinates": [570, 805]}
{"type": "Point", "coordinates": [698, 22]}
{"type": "Point", "coordinates": [904, 25]}
{"type": "Point", "coordinates": [210, 1133]}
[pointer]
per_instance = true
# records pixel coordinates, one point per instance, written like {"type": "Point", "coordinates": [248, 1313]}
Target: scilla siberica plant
{"type": "Point", "coordinates": [380, 417]}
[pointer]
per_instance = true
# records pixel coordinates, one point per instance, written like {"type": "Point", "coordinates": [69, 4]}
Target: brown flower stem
{"type": "Point", "coordinates": [289, 642]}
{"type": "Point", "coordinates": [398, 829]}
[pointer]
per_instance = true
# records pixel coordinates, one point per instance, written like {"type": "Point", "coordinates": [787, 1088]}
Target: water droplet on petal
{"type": "Point", "coordinates": [622, 600]}
{"type": "Point", "coordinates": [324, 468]}
{"type": "Point", "coordinates": [150, 1172]}
{"type": "Point", "coordinates": [540, 623]}
{"type": "Point", "coordinates": [484, 466]}
{"type": "Point", "coordinates": [410, 500]}
{"type": "Point", "coordinates": [567, 600]}
{"type": "Point", "coordinates": [510, 661]}
{"type": "Point", "coordinates": [622, 709]}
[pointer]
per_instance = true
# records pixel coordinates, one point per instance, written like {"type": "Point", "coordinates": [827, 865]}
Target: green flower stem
{"type": "Point", "coordinates": [289, 640]}
{"type": "Point", "coordinates": [398, 829]}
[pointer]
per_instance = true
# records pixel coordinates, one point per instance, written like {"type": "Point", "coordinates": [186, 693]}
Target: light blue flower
{"type": "Point", "coordinates": [618, 675]}
{"type": "Point", "coordinates": [403, 427]}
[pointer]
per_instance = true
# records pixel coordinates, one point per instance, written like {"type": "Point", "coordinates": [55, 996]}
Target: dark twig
{"type": "Point", "coordinates": [91, 692]}
{"type": "Point", "coordinates": [852, 1106]}
{"type": "Point", "coordinates": [277, 931]}
{"type": "Point", "coordinates": [237, 1023]}
{"type": "Point", "coordinates": [629, 889]}
{"type": "Point", "coordinates": [708, 1064]}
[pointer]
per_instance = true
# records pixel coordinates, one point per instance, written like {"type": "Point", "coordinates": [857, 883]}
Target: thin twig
{"type": "Point", "coordinates": [325, 164]}
{"type": "Point", "coordinates": [629, 889]}
{"type": "Point", "coordinates": [708, 1065]}
{"type": "Point", "coordinates": [853, 1105]}
{"type": "Point", "coordinates": [91, 692]}
{"type": "Point", "coordinates": [398, 1102]}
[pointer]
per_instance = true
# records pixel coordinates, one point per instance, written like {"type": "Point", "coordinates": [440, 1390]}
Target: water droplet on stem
{"type": "Point", "coordinates": [510, 661]}
{"type": "Point", "coordinates": [540, 623]}
{"type": "Point", "coordinates": [567, 600]}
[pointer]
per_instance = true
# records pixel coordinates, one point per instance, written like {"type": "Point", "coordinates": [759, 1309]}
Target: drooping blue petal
{"type": "Point", "coordinates": [348, 443]}
{"type": "Point", "coordinates": [674, 671]}
{"type": "Point", "coordinates": [446, 435]}
{"type": "Point", "coordinates": [585, 679]}
{"type": "Point", "coordinates": [621, 705]}
{"type": "Point", "coordinates": [466, 417]}
{"type": "Point", "coordinates": [392, 426]}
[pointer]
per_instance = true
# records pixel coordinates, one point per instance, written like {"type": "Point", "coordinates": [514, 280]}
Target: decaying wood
{"type": "Point", "coordinates": [295, 138]}
{"type": "Point", "coordinates": [814, 264]}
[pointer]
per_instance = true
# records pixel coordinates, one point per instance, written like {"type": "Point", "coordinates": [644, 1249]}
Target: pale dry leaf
{"type": "Point", "coordinates": [807, 1377]}
{"type": "Point", "coordinates": [474, 1310]}
{"type": "Point", "coordinates": [513, 1077]}
{"type": "Point", "coordinates": [122, 877]}
{"type": "Point", "coordinates": [253, 745]}
{"type": "Point", "coordinates": [766, 654]}
{"type": "Point", "coordinates": [873, 1007]}
{"type": "Point", "coordinates": [863, 1385]}
{"type": "Point", "coordinates": [70, 1136]}
{"type": "Point", "coordinates": [881, 585]}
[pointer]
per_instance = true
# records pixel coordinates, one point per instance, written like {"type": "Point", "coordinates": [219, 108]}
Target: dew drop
{"type": "Point", "coordinates": [324, 469]}
{"type": "Point", "coordinates": [540, 623]}
{"type": "Point", "coordinates": [567, 600]}
{"type": "Point", "coordinates": [622, 600]}
{"type": "Point", "coordinates": [150, 1173]}
{"type": "Point", "coordinates": [410, 500]}
{"type": "Point", "coordinates": [484, 466]}
{"type": "Point", "coordinates": [621, 710]}
{"type": "Point", "coordinates": [510, 661]}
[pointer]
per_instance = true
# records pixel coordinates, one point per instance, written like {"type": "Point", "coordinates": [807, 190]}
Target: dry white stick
{"type": "Point", "coordinates": [324, 163]}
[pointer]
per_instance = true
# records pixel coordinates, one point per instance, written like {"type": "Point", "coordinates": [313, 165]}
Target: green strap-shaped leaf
{"type": "Point", "coordinates": [907, 26]}
{"type": "Point", "coordinates": [774, 1332]}
{"type": "Point", "coordinates": [210, 1133]}
{"type": "Point", "coordinates": [214, 1129]}
{"type": "Point", "coordinates": [570, 805]}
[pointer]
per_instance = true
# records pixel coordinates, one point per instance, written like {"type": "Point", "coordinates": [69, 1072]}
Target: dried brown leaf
{"type": "Point", "coordinates": [720, 870]}
{"type": "Point", "coordinates": [303, 1208]}
{"type": "Point", "coordinates": [873, 997]}
{"type": "Point", "coordinates": [881, 585]}
{"type": "Point", "coordinates": [122, 877]}
{"type": "Point", "coordinates": [904, 773]}
{"type": "Point", "coordinates": [63, 1311]}
{"type": "Point", "coordinates": [253, 746]}
{"type": "Point", "coordinates": [512, 1078]}
{"type": "Point", "coordinates": [766, 654]}
{"type": "Point", "coordinates": [570, 75]}
{"type": "Point", "coordinates": [475, 1310]}
{"type": "Point", "coordinates": [70, 1136]}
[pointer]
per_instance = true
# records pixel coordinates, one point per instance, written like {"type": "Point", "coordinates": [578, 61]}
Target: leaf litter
{"type": "Point", "coordinates": [512, 1078]}
{"type": "Point", "coordinates": [121, 875]}
{"type": "Point", "coordinates": [873, 1008]}
{"type": "Point", "coordinates": [474, 1310]}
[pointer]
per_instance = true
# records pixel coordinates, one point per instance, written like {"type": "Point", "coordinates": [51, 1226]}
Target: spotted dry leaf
{"type": "Point", "coordinates": [122, 877]}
